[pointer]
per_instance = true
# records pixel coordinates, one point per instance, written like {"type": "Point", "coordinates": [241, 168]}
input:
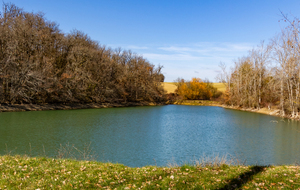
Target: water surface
{"type": "Point", "coordinates": [159, 135]}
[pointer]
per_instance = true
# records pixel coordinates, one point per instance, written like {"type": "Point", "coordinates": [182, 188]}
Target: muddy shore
{"type": "Point", "coordinates": [40, 107]}
{"type": "Point", "coordinates": [273, 112]}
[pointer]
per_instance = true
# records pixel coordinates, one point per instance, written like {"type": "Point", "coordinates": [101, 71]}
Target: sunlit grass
{"type": "Point", "coordinates": [21, 172]}
{"type": "Point", "coordinates": [220, 86]}
{"type": "Point", "coordinates": [170, 87]}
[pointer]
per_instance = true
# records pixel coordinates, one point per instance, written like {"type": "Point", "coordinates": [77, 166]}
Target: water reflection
{"type": "Point", "coordinates": [154, 135]}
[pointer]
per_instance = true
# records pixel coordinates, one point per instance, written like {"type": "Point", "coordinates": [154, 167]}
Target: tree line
{"type": "Point", "coordinates": [41, 64]}
{"type": "Point", "coordinates": [269, 76]}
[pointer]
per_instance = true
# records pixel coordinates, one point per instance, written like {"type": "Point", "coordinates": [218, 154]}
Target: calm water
{"type": "Point", "coordinates": [160, 135]}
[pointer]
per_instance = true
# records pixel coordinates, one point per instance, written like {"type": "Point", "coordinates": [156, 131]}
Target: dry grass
{"type": "Point", "coordinates": [197, 103]}
{"type": "Point", "coordinates": [220, 86]}
{"type": "Point", "coordinates": [170, 87]}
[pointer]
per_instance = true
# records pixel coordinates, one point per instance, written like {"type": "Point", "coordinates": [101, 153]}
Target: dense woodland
{"type": "Point", "coordinates": [269, 76]}
{"type": "Point", "coordinates": [40, 64]}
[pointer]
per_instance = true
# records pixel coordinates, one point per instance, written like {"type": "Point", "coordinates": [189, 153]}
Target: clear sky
{"type": "Point", "coordinates": [189, 38]}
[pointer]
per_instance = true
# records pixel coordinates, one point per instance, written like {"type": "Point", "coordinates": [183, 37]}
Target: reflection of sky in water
{"type": "Point", "coordinates": [158, 135]}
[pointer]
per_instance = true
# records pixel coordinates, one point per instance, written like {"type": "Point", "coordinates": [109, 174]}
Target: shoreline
{"type": "Point", "coordinates": [71, 106]}
{"type": "Point", "coordinates": [264, 110]}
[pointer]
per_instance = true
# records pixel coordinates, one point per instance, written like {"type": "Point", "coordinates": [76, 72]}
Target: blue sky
{"type": "Point", "coordinates": [189, 38]}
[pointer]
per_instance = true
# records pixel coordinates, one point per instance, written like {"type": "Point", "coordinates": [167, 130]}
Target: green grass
{"type": "Point", "coordinates": [21, 172]}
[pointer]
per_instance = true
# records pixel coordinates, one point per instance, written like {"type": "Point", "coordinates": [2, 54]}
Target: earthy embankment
{"type": "Point", "coordinates": [197, 103]}
{"type": "Point", "coordinates": [39, 107]}
{"type": "Point", "coordinates": [274, 112]}
{"type": "Point", "coordinates": [21, 172]}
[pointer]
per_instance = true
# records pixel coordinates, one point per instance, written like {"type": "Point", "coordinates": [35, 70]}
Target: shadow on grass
{"type": "Point", "coordinates": [238, 182]}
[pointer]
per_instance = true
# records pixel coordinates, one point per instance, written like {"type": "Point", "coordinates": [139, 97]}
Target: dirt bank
{"type": "Point", "coordinates": [197, 103]}
{"type": "Point", "coordinates": [273, 112]}
{"type": "Point", "coordinates": [39, 107]}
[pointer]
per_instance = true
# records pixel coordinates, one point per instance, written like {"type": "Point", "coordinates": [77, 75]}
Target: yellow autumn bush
{"type": "Point", "coordinates": [196, 89]}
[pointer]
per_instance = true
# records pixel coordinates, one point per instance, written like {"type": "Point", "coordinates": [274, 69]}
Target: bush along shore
{"type": "Point", "coordinates": [46, 173]}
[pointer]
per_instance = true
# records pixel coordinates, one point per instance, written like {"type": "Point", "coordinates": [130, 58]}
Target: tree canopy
{"type": "Point", "coordinates": [40, 64]}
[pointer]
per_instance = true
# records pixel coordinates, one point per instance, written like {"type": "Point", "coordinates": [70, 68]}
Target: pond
{"type": "Point", "coordinates": [153, 135]}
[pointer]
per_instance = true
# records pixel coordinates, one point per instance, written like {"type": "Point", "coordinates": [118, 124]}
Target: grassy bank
{"type": "Point", "coordinates": [197, 103]}
{"type": "Point", "coordinates": [20, 172]}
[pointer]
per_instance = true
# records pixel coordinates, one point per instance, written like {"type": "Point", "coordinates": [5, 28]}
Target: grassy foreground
{"type": "Point", "coordinates": [21, 172]}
